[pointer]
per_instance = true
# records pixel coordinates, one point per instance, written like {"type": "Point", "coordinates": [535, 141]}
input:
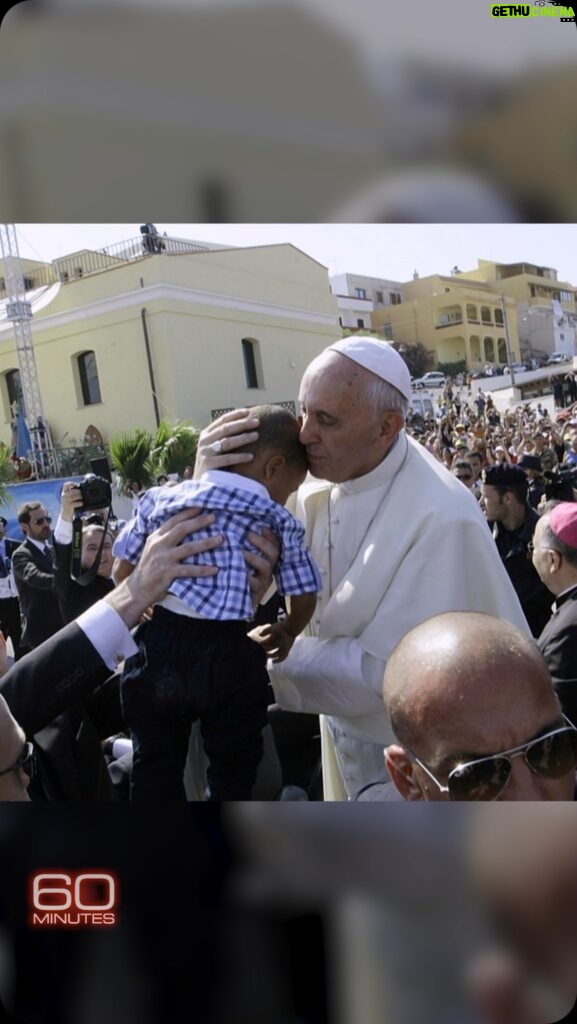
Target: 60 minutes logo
{"type": "Point", "coordinates": [73, 899]}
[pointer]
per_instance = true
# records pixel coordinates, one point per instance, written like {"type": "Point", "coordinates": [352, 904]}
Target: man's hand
{"type": "Point", "coordinates": [70, 501]}
{"type": "Point", "coordinates": [161, 562]}
{"type": "Point", "coordinates": [234, 430]}
{"type": "Point", "coordinates": [274, 639]}
{"type": "Point", "coordinates": [262, 565]}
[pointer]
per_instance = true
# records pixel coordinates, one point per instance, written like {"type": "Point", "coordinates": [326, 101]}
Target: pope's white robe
{"type": "Point", "coordinates": [405, 542]}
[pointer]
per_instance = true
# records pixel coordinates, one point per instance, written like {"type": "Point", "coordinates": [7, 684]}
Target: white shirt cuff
{"type": "Point", "coordinates": [106, 631]}
{"type": "Point", "coordinates": [63, 531]}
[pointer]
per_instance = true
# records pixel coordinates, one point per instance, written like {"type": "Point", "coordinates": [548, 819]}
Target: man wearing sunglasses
{"type": "Point", "coordinates": [475, 715]}
{"type": "Point", "coordinates": [34, 577]}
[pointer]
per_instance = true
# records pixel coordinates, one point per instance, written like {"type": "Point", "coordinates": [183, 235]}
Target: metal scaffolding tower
{"type": "Point", "coordinates": [19, 311]}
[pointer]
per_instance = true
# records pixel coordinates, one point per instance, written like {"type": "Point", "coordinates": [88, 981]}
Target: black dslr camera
{"type": "Point", "coordinates": [96, 492]}
{"type": "Point", "coordinates": [560, 483]}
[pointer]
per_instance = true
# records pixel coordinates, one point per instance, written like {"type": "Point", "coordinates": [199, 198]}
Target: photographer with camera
{"type": "Point", "coordinates": [83, 546]}
{"type": "Point", "coordinates": [82, 576]}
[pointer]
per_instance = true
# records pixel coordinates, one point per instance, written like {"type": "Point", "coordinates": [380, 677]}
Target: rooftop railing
{"type": "Point", "coordinates": [94, 261]}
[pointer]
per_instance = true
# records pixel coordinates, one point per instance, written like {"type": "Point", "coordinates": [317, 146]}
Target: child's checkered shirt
{"type": "Point", "coordinates": [239, 505]}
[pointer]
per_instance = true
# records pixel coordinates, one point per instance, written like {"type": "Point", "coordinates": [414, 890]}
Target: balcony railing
{"type": "Point", "coordinates": [40, 277]}
{"type": "Point", "coordinates": [448, 323]}
{"type": "Point", "coordinates": [86, 263]}
{"type": "Point", "coordinates": [94, 261]}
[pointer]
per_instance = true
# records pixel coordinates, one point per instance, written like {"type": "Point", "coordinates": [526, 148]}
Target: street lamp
{"type": "Point", "coordinates": [507, 340]}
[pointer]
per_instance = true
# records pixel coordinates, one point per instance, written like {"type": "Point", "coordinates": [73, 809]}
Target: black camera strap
{"type": "Point", "coordinates": [77, 573]}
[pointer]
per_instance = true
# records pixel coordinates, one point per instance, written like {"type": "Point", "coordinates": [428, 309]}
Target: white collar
{"type": "Point", "coordinates": [40, 544]}
{"type": "Point", "coordinates": [221, 478]}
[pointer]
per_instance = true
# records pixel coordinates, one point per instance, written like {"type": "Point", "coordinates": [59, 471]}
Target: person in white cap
{"type": "Point", "coordinates": [397, 540]}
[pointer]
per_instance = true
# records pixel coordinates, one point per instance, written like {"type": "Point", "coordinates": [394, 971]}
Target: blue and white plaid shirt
{"type": "Point", "coordinates": [239, 504]}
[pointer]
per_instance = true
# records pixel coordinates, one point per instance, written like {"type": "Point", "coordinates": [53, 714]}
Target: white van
{"type": "Point", "coordinates": [423, 405]}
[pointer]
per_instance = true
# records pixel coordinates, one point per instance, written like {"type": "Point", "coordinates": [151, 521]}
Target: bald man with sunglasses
{"type": "Point", "coordinates": [475, 715]}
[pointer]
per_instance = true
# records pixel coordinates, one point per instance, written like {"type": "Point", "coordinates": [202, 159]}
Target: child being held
{"type": "Point", "coordinates": [197, 660]}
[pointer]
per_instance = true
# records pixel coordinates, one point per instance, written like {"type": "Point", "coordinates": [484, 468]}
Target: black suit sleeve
{"type": "Point", "coordinates": [53, 677]}
{"type": "Point", "coordinates": [25, 569]}
{"type": "Point", "coordinates": [560, 653]}
{"type": "Point", "coordinates": [62, 582]}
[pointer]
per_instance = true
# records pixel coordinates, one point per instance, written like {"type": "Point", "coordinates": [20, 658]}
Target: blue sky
{"type": "Point", "coordinates": [390, 251]}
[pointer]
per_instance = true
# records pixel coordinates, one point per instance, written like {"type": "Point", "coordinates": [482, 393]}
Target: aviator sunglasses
{"type": "Point", "coordinates": [552, 756]}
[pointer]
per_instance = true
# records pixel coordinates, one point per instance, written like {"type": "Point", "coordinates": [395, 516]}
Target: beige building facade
{"type": "Point", "coordinates": [455, 318]}
{"type": "Point", "coordinates": [122, 342]}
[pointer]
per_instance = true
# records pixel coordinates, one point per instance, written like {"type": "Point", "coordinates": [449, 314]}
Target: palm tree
{"type": "Point", "coordinates": [173, 447]}
{"type": "Point", "coordinates": [130, 455]}
{"type": "Point", "coordinates": [138, 455]}
{"type": "Point", "coordinates": [7, 472]}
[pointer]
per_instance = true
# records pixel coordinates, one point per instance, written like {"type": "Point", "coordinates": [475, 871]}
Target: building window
{"type": "Point", "coordinates": [360, 322]}
{"type": "Point", "coordinates": [378, 296]}
{"type": "Point", "coordinates": [486, 315]}
{"type": "Point", "coordinates": [472, 312]}
{"type": "Point", "coordinates": [252, 363]}
{"type": "Point", "coordinates": [395, 298]}
{"type": "Point", "coordinates": [502, 350]}
{"type": "Point", "coordinates": [360, 293]}
{"type": "Point", "coordinates": [489, 350]}
{"type": "Point", "coordinates": [562, 336]}
{"type": "Point", "coordinates": [566, 296]}
{"type": "Point", "coordinates": [88, 375]}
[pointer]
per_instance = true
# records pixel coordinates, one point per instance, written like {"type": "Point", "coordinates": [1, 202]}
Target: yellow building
{"type": "Point", "coordinates": [546, 307]}
{"type": "Point", "coordinates": [455, 318]}
{"type": "Point", "coordinates": [124, 338]}
{"type": "Point", "coordinates": [525, 282]}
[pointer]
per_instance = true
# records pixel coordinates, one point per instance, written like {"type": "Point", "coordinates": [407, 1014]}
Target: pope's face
{"type": "Point", "coordinates": [343, 437]}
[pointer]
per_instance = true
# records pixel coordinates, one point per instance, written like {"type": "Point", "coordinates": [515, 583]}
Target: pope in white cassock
{"type": "Point", "coordinates": [397, 540]}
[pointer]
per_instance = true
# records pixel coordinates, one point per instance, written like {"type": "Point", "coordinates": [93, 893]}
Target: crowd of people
{"type": "Point", "coordinates": [288, 655]}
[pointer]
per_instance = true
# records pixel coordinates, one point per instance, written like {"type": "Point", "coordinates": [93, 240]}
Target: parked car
{"type": "Point", "coordinates": [516, 367]}
{"type": "Point", "coordinates": [434, 379]}
{"type": "Point", "coordinates": [558, 357]}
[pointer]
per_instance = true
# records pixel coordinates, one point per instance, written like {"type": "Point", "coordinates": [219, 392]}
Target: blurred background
{"type": "Point", "coordinates": [285, 110]}
{"type": "Point", "coordinates": [242, 915]}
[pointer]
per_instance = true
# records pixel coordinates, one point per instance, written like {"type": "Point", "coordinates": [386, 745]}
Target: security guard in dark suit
{"type": "Point", "coordinates": [34, 576]}
{"type": "Point", "coordinates": [513, 521]}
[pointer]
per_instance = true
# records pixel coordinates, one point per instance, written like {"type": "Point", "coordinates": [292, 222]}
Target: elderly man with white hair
{"type": "Point", "coordinates": [397, 539]}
